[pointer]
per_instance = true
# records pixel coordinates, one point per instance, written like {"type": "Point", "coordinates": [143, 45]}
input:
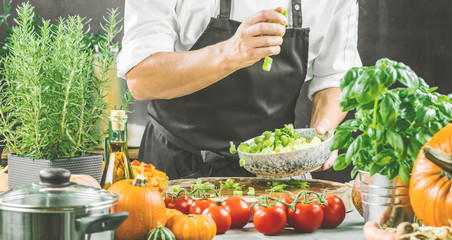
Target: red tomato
{"type": "Point", "coordinates": [306, 217]}
{"type": "Point", "coordinates": [269, 220]}
{"type": "Point", "coordinates": [200, 205]}
{"type": "Point", "coordinates": [239, 210]}
{"type": "Point", "coordinates": [333, 211]}
{"type": "Point", "coordinates": [181, 204]}
{"type": "Point", "coordinates": [256, 207]}
{"type": "Point", "coordinates": [220, 216]}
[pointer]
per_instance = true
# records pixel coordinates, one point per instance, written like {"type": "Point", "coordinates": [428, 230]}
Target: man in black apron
{"type": "Point", "coordinates": [189, 136]}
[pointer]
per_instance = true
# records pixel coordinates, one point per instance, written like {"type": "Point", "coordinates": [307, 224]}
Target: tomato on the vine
{"type": "Point", "coordinates": [200, 205]}
{"type": "Point", "coordinates": [269, 220]}
{"type": "Point", "coordinates": [220, 216]}
{"type": "Point", "coordinates": [256, 207]}
{"type": "Point", "coordinates": [239, 210]}
{"type": "Point", "coordinates": [182, 204]}
{"type": "Point", "coordinates": [333, 211]}
{"type": "Point", "coordinates": [306, 218]}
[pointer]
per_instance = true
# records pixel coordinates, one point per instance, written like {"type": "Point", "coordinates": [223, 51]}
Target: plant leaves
{"type": "Point", "coordinates": [396, 141]}
{"type": "Point", "coordinates": [389, 108]}
{"type": "Point", "coordinates": [408, 78]}
{"type": "Point", "coordinates": [404, 173]}
{"type": "Point", "coordinates": [341, 139]}
{"type": "Point", "coordinates": [424, 115]}
{"type": "Point", "coordinates": [340, 163]}
{"type": "Point", "coordinates": [353, 149]}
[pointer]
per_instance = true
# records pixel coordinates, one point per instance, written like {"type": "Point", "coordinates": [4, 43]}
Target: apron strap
{"type": "Point", "coordinates": [225, 9]}
{"type": "Point", "coordinates": [297, 19]}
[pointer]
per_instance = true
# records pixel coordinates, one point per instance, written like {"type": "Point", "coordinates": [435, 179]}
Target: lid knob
{"type": "Point", "coordinates": [54, 177]}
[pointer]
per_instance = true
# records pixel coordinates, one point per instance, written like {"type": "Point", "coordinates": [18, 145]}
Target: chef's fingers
{"type": "Point", "coordinates": [265, 28]}
{"type": "Point", "coordinates": [323, 126]}
{"type": "Point", "coordinates": [329, 163]}
{"type": "Point", "coordinates": [266, 41]}
{"type": "Point", "coordinates": [267, 16]}
{"type": "Point", "coordinates": [259, 53]}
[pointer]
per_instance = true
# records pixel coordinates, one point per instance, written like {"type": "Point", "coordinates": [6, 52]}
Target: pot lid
{"type": "Point", "coordinates": [55, 193]}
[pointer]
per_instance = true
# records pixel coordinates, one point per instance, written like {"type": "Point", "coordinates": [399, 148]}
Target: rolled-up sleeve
{"type": "Point", "coordinates": [339, 51]}
{"type": "Point", "coordinates": [149, 26]}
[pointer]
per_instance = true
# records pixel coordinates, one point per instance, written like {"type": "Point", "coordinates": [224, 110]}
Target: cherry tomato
{"type": "Point", "coordinates": [200, 205]}
{"type": "Point", "coordinates": [181, 204]}
{"type": "Point", "coordinates": [220, 216]}
{"type": "Point", "coordinates": [333, 211]}
{"type": "Point", "coordinates": [269, 220]}
{"type": "Point", "coordinates": [306, 218]}
{"type": "Point", "coordinates": [239, 210]}
{"type": "Point", "coordinates": [256, 207]}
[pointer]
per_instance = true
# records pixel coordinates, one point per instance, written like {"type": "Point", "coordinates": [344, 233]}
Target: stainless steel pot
{"type": "Point", "coordinates": [56, 208]}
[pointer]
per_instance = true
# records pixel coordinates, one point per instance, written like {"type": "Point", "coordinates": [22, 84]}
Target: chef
{"type": "Point", "coordinates": [200, 64]}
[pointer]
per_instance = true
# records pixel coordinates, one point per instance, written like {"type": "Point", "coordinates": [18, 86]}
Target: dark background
{"type": "Point", "coordinates": [418, 33]}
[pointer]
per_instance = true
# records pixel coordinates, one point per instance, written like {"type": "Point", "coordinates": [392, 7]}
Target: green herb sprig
{"type": "Point", "coordinates": [52, 101]}
{"type": "Point", "coordinates": [392, 124]}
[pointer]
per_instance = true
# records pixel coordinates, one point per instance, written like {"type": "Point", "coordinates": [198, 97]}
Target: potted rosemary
{"type": "Point", "coordinates": [392, 124]}
{"type": "Point", "coordinates": [52, 101]}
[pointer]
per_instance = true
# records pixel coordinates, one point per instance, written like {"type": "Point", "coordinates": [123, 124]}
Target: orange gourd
{"type": "Point", "coordinates": [431, 183]}
{"type": "Point", "coordinates": [144, 204]}
{"type": "Point", "coordinates": [85, 180]}
{"type": "Point", "coordinates": [172, 212]}
{"type": "Point", "coordinates": [192, 227]}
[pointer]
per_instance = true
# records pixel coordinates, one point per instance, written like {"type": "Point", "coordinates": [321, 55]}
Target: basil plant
{"type": "Point", "coordinates": [391, 124]}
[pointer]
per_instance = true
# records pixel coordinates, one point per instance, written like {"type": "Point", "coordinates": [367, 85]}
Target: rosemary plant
{"type": "Point", "coordinates": [53, 102]}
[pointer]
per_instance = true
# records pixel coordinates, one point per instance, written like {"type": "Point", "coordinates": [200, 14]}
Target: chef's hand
{"type": "Point", "coordinates": [255, 39]}
{"type": "Point", "coordinates": [326, 115]}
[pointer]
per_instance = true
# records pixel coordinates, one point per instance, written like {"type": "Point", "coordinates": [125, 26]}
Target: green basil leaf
{"type": "Point", "coordinates": [407, 111]}
{"type": "Point", "coordinates": [413, 148]}
{"type": "Point", "coordinates": [354, 172]}
{"type": "Point", "coordinates": [375, 168]}
{"type": "Point", "coordinates": [408, 78]}
{"type": "Point", "coordinates": [340, 163]}
{"type": "Point", "coordinates": [424, 115]}
{"type": "Point", "coordinates": [382, 159]}
{"type": "Point", "coordinates": [389, 109]}
{"type": "Point", "coordinates": [396, 141]}
{"type": "Point", "coordinates": [393, 171]}
{"type": "Point", "coordinates": [434, 127]}
{"type": "Point", "coordinates": [341, 139]}
{"type": "Point", "coordinates": [404, 173]}
{"type": "Point", "coordinates": [402, 124]}
{"type": "Point", "coordinates": [446, 108]}
{"type": "Point", "coordinates": [353, 149]}
{"type": "Point", "coordinates": [349, 78]}
{"type": "Point", "coordinates": [391, 77]}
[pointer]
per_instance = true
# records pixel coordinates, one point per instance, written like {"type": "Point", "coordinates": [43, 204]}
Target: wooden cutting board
{"type": "Point", "coordinates": [260, 185]}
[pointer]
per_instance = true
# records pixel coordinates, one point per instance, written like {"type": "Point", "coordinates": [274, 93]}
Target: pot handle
{"type": "Point", "coordinates": [101, 223]}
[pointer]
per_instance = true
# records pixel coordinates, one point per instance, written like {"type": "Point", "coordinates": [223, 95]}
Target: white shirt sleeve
{"type": "Point", "coordinates": [339, 51]}
{"type": "Point", "coordinates": [150, 26]}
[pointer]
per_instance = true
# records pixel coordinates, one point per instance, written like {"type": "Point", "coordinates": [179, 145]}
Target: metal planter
{"type": "Point", "coordinates": [385, 202]}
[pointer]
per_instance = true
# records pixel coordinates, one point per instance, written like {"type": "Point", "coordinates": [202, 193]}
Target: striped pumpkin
{"type": "Point", "coordinates": [160, 233]}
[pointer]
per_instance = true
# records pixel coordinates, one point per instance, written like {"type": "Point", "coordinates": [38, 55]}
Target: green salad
{"type": "Point", "coordinates": [281, 140]}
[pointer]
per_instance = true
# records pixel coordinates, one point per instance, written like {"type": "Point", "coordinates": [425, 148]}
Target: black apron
{"type": "Point", "coordinates": [188, 137]}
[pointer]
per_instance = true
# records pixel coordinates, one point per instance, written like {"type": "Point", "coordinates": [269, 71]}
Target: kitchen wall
{"type": "Point", "coordinates": [418, 33]}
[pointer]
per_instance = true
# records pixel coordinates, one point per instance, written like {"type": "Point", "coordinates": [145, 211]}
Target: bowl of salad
{"type": "Point", "coordinates": [285, 152]}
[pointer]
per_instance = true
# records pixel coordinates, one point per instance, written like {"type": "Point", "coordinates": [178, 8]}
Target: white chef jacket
{"type": "Point", "coordinates": [175, 25]}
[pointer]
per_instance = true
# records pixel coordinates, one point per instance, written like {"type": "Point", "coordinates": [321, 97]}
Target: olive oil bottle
{"type": "Point", "coordinates": [117, 163]}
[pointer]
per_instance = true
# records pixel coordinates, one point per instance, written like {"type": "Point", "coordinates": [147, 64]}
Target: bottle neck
{"type": "Point", "coordinates": [117, 131]}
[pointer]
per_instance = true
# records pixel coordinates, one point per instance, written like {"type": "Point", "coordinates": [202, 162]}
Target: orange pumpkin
{"type": "Point", "coordinates": [192, 227]}
{"type": "Point", "coordinates": [85, 180]}
{"type": "Point", "coordinates": [172, 212]}
{"type": "Point", "coordinates": [431, 183]}
{"type": "Point", "coordinates": [144, 204]}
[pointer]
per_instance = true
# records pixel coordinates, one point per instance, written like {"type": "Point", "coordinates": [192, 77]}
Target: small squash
{"type": "Point", "coordinates": [431, 180]}
{"type": "Point", "coordinates": [144, 204]}
{"type": "Point", "coordinates": [86, 180]}
{"type": "Point", "coordinates": [160, 233]}
{"type": "Point", "coordinates": [192, 227]}
{"type": "Point", "coordinates": [172, 212]}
